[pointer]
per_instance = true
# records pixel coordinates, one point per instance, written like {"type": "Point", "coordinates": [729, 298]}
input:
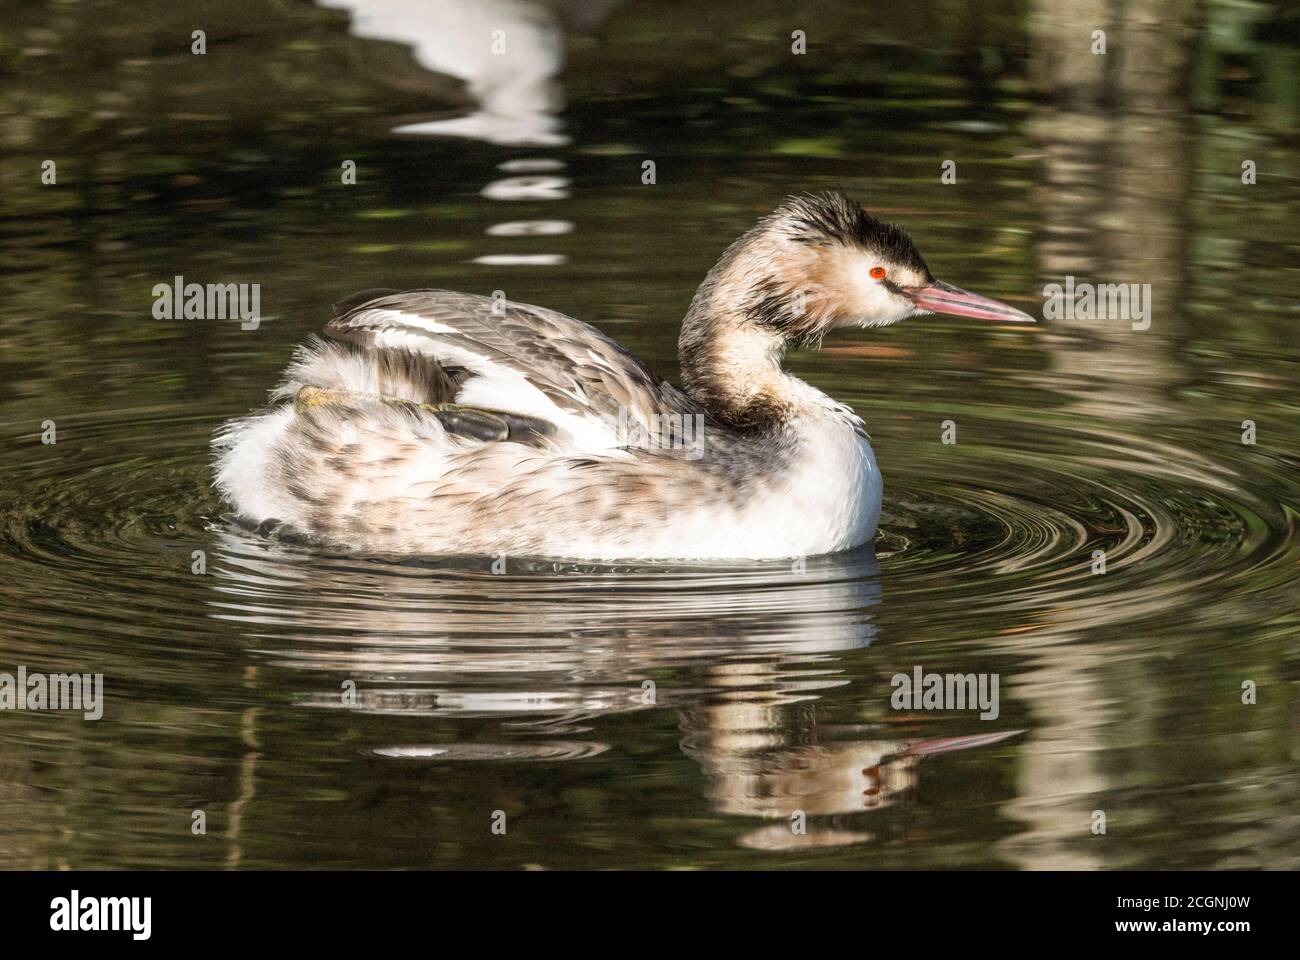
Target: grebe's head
{"type": "Point", "coordinates": [820, 261]}
{"type": "Point", "coordinates": [814, 264]}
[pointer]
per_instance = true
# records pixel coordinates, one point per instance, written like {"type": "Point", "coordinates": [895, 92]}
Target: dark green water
{"type": "Point", "coordinates": [526, 692]}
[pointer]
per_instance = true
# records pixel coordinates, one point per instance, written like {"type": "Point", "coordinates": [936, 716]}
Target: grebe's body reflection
{"type": "Point", "coordinates": [528, 664]}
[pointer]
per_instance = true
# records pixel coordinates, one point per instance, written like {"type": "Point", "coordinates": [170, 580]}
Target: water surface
{"type": "Point", "coordinates": [653, 715]}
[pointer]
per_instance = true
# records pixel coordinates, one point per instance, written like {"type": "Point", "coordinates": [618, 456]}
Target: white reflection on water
{"type": "Point", "coordinates": [528, 188]}
{"type": "Point", "coordinates": [522, 259]}
{"type": "Point", "coordinates": [514, 88]}
{"type": "Point", "coordinates": [530, 228]}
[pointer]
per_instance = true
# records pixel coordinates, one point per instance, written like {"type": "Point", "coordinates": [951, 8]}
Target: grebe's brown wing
{"type": "Point", "coordinates": [516, 357]}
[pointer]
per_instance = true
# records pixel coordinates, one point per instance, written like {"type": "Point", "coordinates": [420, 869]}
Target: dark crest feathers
{"type": "Point", "coordinates": [833, 217]}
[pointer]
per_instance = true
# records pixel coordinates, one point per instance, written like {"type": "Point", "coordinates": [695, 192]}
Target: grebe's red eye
{"type": "Point", "coordinates": [878, 273]}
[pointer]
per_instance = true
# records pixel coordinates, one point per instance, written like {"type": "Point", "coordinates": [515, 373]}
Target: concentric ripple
{"type": "Point", "coordinates": [772, 678]}
{"type": "Point", "coordinates": [105, 535]}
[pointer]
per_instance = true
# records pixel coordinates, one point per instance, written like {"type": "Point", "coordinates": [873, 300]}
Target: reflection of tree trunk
{"type": "Point", "coordinates": [247, 779]}
{"type": "Point", "coordinates": [1058, 780]}
{"type": "Point", "coordinates": [1114, 199]}
{"type": "Point", "coordinates": [1118, 164]}
{"type": "Point", "coordinates": [1117, 174]}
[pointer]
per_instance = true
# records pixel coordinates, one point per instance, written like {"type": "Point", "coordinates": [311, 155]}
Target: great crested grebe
{"type": "Point", "coordinates": [447, 423]}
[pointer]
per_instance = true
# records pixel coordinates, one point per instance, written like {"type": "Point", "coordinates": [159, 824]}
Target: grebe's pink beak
{"type": "Point", "coordinates": [940, 297]}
